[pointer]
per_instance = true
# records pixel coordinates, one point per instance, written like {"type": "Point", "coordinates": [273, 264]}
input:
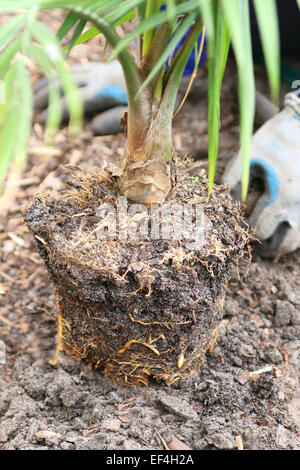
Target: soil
{"type": "Point", "coordinates": [138, 308]}
{"type": "Point", "coordinates": [246, 394]}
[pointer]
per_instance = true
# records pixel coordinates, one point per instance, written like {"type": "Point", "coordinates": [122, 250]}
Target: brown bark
{"type": "Point", "coordinates": [145, 172]}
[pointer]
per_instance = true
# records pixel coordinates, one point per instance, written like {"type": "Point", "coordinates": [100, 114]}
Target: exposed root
{"type": "Point", "coordinates": [212, 342]}
{"type": "Point", "coordinates": [168, 325]}
{"type": "Point", "coordinates": [60, 332]}
{"type": "Point", "coordinates": [134, 341]}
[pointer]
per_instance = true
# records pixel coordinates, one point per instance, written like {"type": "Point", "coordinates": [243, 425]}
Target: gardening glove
{"type": "Point", "coordinates": [275, 162]}
{"type": "Point", "coordinates": [102, 88]}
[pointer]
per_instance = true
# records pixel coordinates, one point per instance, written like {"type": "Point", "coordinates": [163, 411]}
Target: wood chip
{"type": "Point", "coordinates": [32, 180]}
{"type": "Point", "coordinates": [92, 429]}
{"type": "Point", "coordinates": [176, 444]}
{"type": "Point", "coordinates": [124, 419]}
{"type": "Point", "coordinates": [128, 402]}
{"type": "Point", "coordinates": [243, 377]}
{"type": "Point", "coordinates": [122, 406]}
{"type": "Point", "coordinates": [253, 376]}
{"type": "Point", "coordinates": [45, 151]}
{"type": "Point", "coordinates": [3, 437]}
{"type": "Point", "coordinates": [18, 240]}
{"type": "Point", "coordinates": [75, 156]}
{"type": "Point", "coordinates": [130, 399]}
{"type": "Point", "coordinates": [95, 425]}
{"type": "Point", "coordinates": [40, 435]}
{"type": "Point", "coordinates": [111, 424]}
{"type": "Point", "coordinates": [239, 442]}
{"type": "Point", "coordinates": [127, 445]}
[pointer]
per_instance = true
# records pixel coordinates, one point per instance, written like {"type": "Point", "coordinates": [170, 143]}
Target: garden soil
{"type": "Point", "coordinates": [246, 394]}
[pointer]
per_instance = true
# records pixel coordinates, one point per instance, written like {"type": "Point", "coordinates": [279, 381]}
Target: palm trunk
{"type": "Point", "coordinates": [145, 173]}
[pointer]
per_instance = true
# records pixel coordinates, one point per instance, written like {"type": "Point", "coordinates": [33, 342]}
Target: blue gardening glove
{"type": "Point", "coordinates": [275, 161]}
{"type": "Point", "coordinates": [102, 87]}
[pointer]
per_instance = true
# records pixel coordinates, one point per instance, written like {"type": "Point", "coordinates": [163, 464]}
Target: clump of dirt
{"type": "Point", "coordinates": [139, 308]}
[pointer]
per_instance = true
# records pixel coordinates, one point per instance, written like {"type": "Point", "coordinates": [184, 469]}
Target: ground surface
{"type": "Point", "coordinates": [223, 406]}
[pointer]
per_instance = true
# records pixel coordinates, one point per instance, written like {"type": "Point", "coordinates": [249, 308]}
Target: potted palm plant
{"type": "Point", "coordinates": [139, 259]}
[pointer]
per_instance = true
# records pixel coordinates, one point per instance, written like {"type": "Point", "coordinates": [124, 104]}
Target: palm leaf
{"type": "Point", "coordinates": [24, 95]}
{"type": "Point", "coordinates": [67, 25]}
{"type": "Point", "coordinates": [124, 9]}
{"type": "Point", "coordinates": [52, 48]}
{"type": "Point", "coordinates": [87, 36]}
{"type": "Point", "coordinates": [92, 32]}
{"type": "Point", "coordinates": [237, 17]}
{"type": "Point", "coordinates": [218, 47]}
{"type": "Point", "coordinates": [54, 108]}
{"type": "Point", "coordinates": [9, 127]}
{"type": "Point", "coordinates": [78, 30]}
{"type": "Point", "coordinates": [11, 28]}
{"type": "Point", "coordinates": [150, 22]}
{"type": "Point", "coordinates": [222, 18]}
{"type": "Point", "coordinates": [180, 32]}
{"type": "Point", "coordinates": [8, 54]}
{"type": "Point", "coordinates": [152, 6]}
{"type": "Point", "coordinates": [268, 27]}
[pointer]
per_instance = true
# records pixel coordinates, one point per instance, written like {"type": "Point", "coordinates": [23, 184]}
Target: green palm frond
{"type": "Point", "coordinates": [237, 17]}
{"type": "Point", "coordinates": [225, 21]}
{"type": "Point", "coordinates": [266, 14]}
{"type": "Point", "coordinates": [218, 46]}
